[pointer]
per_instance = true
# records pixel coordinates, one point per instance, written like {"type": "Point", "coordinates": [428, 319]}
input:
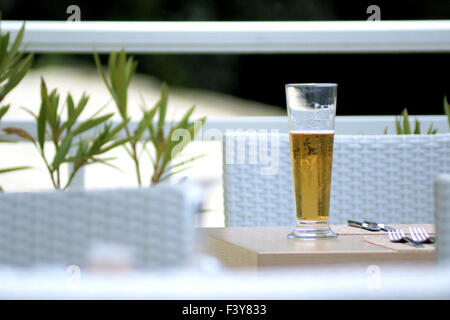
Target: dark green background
{"type": "Point", "coordinates": [368, 83]}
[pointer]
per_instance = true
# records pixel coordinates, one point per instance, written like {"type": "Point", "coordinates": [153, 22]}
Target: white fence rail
{"type": "Point", "coordinates": [344, 124]}
{"type": "Point", "coordinates": [218, 126]}
{"type": "Point", "coordinates": [235, 37]}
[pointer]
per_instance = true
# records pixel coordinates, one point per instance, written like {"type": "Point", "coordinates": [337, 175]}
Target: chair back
{"type": "Point", "coordinates": [385, 178]}
{"type": "Point", "coordinates": [156, 224]}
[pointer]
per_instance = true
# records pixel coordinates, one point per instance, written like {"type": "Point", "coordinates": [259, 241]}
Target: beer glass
{"type": "Point", "coordinates": [311, 112]}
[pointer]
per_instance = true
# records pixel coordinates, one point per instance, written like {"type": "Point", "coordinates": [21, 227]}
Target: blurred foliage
{"type": "Point", "coordinates": [3, 111]}
{"type": "Point", "coordinates": [165, 143]}
{"type": "Point", "coordinates": [14, 65]}
{"type": "Point", "coordinates": [50, 126]}
{"type": "Point", "coordinates": [403, 126]}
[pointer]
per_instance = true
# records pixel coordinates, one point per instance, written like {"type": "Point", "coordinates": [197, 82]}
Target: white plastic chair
{"type": "Point", "coordinates": [385, 178]}
{"type": "Point", "coordinates": [156, 224]}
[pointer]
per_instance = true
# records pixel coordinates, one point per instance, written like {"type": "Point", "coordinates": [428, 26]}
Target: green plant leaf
{"type": "Point", "coordinates": [14, 169]}
{"type": "Point", "coordinates": [71, 113]}
{"type": "Point", "coordinates": [165, 177]}
{"type": "Point", "coordinates": [100, 71]}
{"type": "Point", "coordinates": [4, 41]}
{"type": "Point", "coordinates": [447, 110]}
{"type": "Point", "coordinates": [20, 133]}
{"type": "Point", "coordinates": [162, 108]}
{"type": "Point", "coordinates": [144, 123]}
{"type": "Point", "coordinates": [398, 126]}
{"type": "Point", "coordinates": [114, 145]}
{"type": "Point", "coordinates": [105, 162]}
{"type": "Point", "coordinates": [42, 116]}
{"type": "Point", "coordinates": [184, 162]}
{"type": "Point", "coordinates": [406, 127]}
{"type": "Point", "coordinates": [34, 115]}
{"type": "Point", "coordinates": [128, 151]}
{"type": "Point", "coordinates": [15, 45]}
{"type": "Point", "coordinates": [16, 75]}
{"type": "Point", "coordinates": [90, 123]}
{"type": "Point", "coordinates": [3, 111]}
{"type": "Point", "coordinates": [417, 127]}
{"type": "Point", "coordinates": [62, 151]}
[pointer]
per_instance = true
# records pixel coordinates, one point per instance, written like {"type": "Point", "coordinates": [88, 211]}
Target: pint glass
{"type": "Point", "coordinates": [311, 112]}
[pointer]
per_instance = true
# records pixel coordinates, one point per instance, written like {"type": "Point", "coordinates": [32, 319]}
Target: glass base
{"type": "Point", "coordinates": [312, 230]}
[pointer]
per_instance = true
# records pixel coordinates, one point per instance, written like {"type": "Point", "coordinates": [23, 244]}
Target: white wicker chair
{"type": "Point", "coordinates": [60, 227]}
{"type": "Point", "coordinates": [386, 178]}
{"type": "Point", "coordinates": [442, 204]}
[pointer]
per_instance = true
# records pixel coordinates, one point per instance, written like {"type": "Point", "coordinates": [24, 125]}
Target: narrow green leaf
{"type": "Point", "coordinates": [145, 149]}
{"type": "Point", "coordinates": [417, 127]}
{"type": "Point", "coordinates": [102, 74]}
{"type": "Point", "coordinates": [398, 126]}
{"type": "Point", "coordinates": [71, 113]}
{"type": "Point", "coordinates": [183, 123]}
{"type": "Point", "coordinates": [62, 151]}
{"type": "Point", "coordinates": [42, 117]}
{"type": "Point", "coordinates": [52, 111]}
{"type": "Point", "coordinates": [99, 110]}
{"type": "Point", "coordinates": [406, 127]}
{"type": "Point", "coordinates": [83, 147]}
{"type": "Point", "coordinates": [447, 110]}
{"type": "Point", "coordinates": [184, 162]}
{"type": "Point", "coordinates": [144, 123]}
{"type": "Point", "coordinates": [81, 104]}
{"type": "Point", "coordinates": [34, 115]}
{"type": "Point", "coordinates": [90, 123]}
{"type": "Point", "coordinates": [14, 169]}
{"type": "Point", "coordinates": [17, 41]}
{"type": "Point", "coordinates": [20, 133]}
{"type": "Point", "coordinates": [114, 145]}
{"type": "Point", "coordinates": [105, 162]}
{"type": "Point", "coordinates": [173, 173]}
{"type": "Point", "coordinates": [3, 111]}
{"type": "Point", "coordinates": [112, 64]}
{"type": "Point", "coordinates": [127, 150]}
{"type": "Point", "coordinates": [151, 114]}
{"type": "Point", "coordinates": [17, 74]}
{"type": "Point", "coordinates": [162, 107]}
{"type": "Point", "coordinates": [114, 131]}
{"type": "Point", "coordinates": [4, 41]}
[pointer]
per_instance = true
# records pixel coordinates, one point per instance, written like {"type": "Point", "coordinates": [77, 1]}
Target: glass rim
{"type": "Point", "coordinates": [313, 84]}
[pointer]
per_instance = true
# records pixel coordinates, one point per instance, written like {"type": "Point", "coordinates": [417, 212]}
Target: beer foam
{"type": "Point", "coordinates": [312, 131]}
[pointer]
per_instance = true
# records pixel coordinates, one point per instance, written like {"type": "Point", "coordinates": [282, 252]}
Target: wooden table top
{"type": "Point", "coordinates": [255, 247]}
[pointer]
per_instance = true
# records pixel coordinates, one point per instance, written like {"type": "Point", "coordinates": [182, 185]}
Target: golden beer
{"type": "Point", "coordinates": [311, 156]}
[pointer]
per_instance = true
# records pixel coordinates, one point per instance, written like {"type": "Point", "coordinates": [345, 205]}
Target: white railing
{"type": "Point", "coordinates": [344, 124]}
{"type": "Point", "coordinates": [219, 126]}
{"type": "Point", "coordinates": [235, 37]}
